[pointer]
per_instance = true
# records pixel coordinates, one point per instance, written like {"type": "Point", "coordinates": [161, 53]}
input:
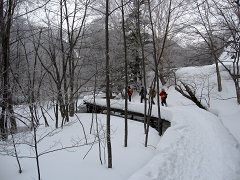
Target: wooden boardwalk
{"type": "Point", "coordinates": [136, 116]}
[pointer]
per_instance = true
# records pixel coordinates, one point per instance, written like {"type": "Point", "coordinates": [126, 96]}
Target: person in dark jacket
{"type": "Point", "coordinates": [130, 92]}
{"type": "Point", "coordinates": [142, 94]}
{"type": "Point", "coordinates": [152, 94]}
{"type": "Point", "coordinates": [163, 96]}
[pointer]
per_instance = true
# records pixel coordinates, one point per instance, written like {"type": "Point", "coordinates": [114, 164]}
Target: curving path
{"type": "Point", "coordinates": [196, 147]}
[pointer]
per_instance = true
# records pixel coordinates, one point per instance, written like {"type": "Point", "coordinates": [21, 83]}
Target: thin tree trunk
{"type": "Point", "coordinates": [109, 148]}
{"type": "Point", "coordinates": [56, 114]}
{"type": "Point", "coordinates": [94, 101]}
{"type": "Point", "coordinates": [126, 78]}
{"type": "Point", "coordinates": [16, 154]}
{"type": "Point", "coordinates": [148, 122]}
{"type": "Point", "coordinates": [143, 66]}
{"type": "Point", "coordinates": [64, 69]}
{"type": "Point", "coordinates": [219, 81]}
{"type": "Point", "coordinates": [13, 123]}
{"type": "Point", "coordinates": [71, 99]}
{"type": "Point", "coordinates": [161, 77]}
{"type": "Point", "coordinates": [238, 93]}
{"type": "Point", "coordinates": [36, 152]}
{"type": "Point", "coordinates": [44, 117]}
{"type": "Point", "coordinates": [156, 65]}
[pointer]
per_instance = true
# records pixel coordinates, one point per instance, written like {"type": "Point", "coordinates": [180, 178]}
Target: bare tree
{"type": "Point", "coordinates": [204, 13]}
{"type": "Point", "coordinates": [188, 91]}
{"type": "Point", "coordinates": [109, 148]}
{"type": "Point", "coordinates": [126, 74]}
{"type": "Point", "coordinates": [230, 17]}
{"type": "Point", "coordinates": [7, 10]}
{"type": "Point", "coordinates": [141, 42]}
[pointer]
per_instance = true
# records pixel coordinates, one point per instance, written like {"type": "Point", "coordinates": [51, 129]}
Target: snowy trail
{"type": "Point", "coordinates": [197, 146]}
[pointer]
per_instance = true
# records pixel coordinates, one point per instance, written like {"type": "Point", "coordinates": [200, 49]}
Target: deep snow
{"type": "Point", "coordinates": [199, 145]}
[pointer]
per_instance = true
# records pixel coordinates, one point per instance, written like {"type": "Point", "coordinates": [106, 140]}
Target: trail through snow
{"type": "Point", "coordinates": [197, 146]}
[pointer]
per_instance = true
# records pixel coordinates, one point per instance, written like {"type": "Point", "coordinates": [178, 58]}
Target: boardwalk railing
{"type": "Point", "coordinates": [136, 116]}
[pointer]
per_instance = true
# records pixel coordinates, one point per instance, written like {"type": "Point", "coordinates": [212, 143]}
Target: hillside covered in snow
{"type": "Point", "coordinates": [199, 144]}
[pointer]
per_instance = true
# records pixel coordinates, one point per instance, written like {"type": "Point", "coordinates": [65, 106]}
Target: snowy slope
{"type": "Point", "coordinates": [199, 145]}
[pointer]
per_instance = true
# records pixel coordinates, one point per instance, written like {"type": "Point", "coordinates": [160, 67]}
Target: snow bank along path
{"type": "Point", "coordinates": [195, 147]}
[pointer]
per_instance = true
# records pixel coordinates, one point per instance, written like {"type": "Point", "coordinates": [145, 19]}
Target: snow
{"type": "Point", "coordinates": [199, 145]}
{"type": "Point", "coordinates": [192, 150]}
{"type": "Point", "coordinates": [70, 164]}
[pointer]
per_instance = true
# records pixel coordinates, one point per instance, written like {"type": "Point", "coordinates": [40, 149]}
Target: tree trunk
{"type": "Point", "coordinates": [36, 152]}
{"type": "Point", "coordinates": [109, 148]}
{"type": "Point", "coordinates": [157, 63]}
{"type": "Point", "coordinates": [143, 66]}
{"type": "Point", "coordinates": [219, 81]}
{"type": "Point", "coordinates": [44, 117]}
{"type": "Point", "coordinates": [56, 114]}
{"type": "Point", "coordinates": [71, 99]}
{"type": "Point", "coordinates": [126, 77]}
{"type": "Point", "coordinates": [207, 26]}
{"type": "Point", "coordinates": [237, 89]}
{"type": "Point", "coordinates": [238, 95]}
{"type": "Point", "coordinates": [190, 95]}
{"type": "Point", "coordinates": [7, 108]}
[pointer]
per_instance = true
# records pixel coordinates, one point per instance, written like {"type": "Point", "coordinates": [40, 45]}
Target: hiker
{"type": "Point", "coordinates": [152, 94]}
{"type": "Point", "coordinates": [130, 92]}
{"type": "Point", "coordinates": [142, 94]}
{"type": "Point", "coordinates": [163, 96]}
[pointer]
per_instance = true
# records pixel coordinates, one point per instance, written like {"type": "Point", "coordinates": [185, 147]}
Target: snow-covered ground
{"type": "Point", "coordinates": [199, 145]}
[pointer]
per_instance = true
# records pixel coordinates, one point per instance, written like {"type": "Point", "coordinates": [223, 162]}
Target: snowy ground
{"type": "Point", "coordinates": [70, 164]}
{"type": "Point", "coordinates": [200, 145]}
{"type": "Point", "coordinates": [196, 147]}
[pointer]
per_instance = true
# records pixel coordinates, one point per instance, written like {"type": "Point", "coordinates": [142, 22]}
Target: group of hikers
{"type": "Point", "coordinates": [151, 93]}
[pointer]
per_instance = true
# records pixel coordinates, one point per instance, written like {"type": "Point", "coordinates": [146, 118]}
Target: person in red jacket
{"type": "Point", "coordinates": [163, 96]}
{"type": "Point", "coordinates": [130, 92]}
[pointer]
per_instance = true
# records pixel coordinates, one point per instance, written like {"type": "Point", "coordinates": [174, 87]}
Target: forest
{"type": "Point", "coordinates": [55, 52]}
